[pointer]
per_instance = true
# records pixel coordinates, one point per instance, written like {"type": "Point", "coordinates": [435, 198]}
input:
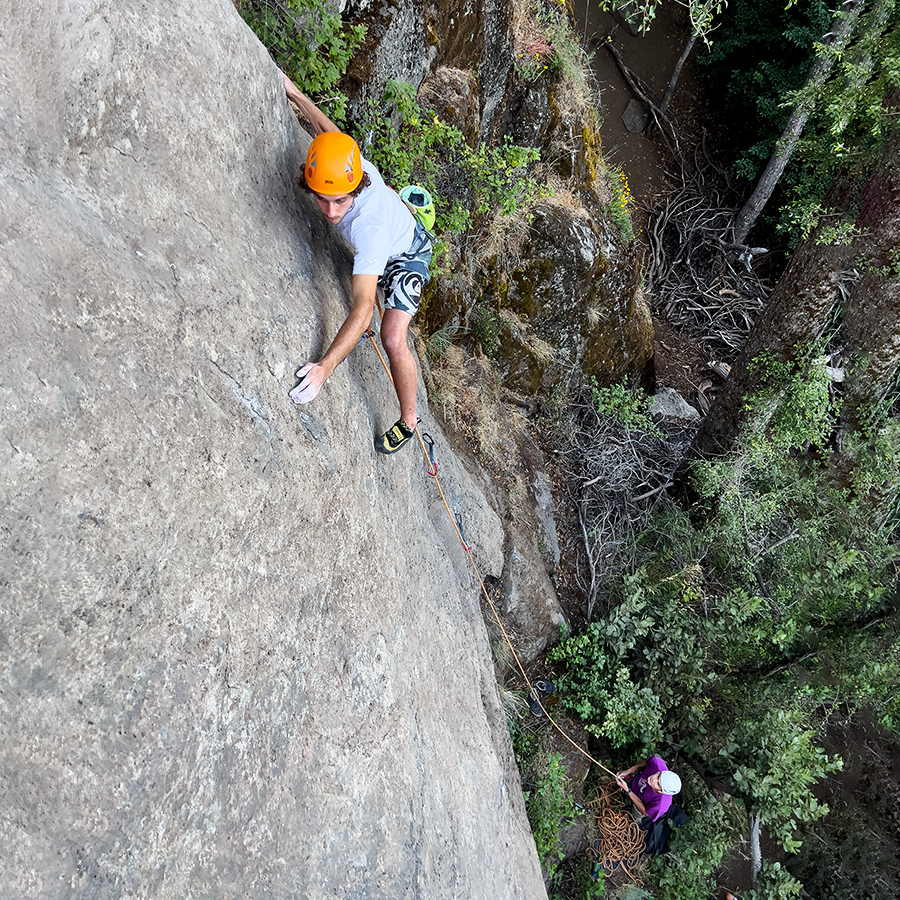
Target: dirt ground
{"type": "Point", "coordinates": [652, 57]}
{"type": "Point", "coordinates": [648, 164]}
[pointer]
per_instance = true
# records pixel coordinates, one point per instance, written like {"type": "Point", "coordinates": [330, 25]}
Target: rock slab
{"type": "Point", "coordinates": [239, 657]}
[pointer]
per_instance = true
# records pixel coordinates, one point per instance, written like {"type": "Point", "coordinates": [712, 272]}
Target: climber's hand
{"type": "Point", "coordinates": [312, 376]}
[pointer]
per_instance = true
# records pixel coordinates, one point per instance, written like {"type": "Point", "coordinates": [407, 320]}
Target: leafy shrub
{"type": "Point", "coordinates": [794, 402]}
{"type": "Point", "coordinates": [598, 688]}
{"type": "Point", "coordinates": [309, 43]}
{"type": "Point", "coordinates": [868, 676]}
{"type": "Point", "coordinates": [550, 809]}
{"type": "Point", "coordinates": [647, 659]}
{"type": "Point", "coordinates": [411, 145]}
{"type": "Point", "coordinates": [778, 531]}
{"type": "Point", "coordinates": [628, 407]}
{"type": "Point", "coordinates": [774, 883]}
{"type": "Point", "coordinates": [743, 612]}
{"type": "Point", "coordinates": [773, 762]}
{"type": "Point", "coordinates": [492, 171]}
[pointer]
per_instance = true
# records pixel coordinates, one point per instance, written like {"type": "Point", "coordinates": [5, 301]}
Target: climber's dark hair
{"type": "Point", "coordinates": [363, 184]}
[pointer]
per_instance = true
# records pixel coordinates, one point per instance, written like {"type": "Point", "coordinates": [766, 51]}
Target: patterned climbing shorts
{"type": "Point", "coordinates": [405, 275]}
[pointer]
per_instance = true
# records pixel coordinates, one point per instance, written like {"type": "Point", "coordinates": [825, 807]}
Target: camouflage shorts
{"type": "Point", "coordinates": [405, 275]}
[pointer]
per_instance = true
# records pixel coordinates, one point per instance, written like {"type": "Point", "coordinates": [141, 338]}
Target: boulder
{"type": "Point", "coordinates": [407, 39]}
{"type": "Point", "coordinates": [636, 116]}
{"type": "Point", "coordinates": [242, 654]}
{"type": "Point", "coordinates": [452, 94]}
{"type": "Point", "coordinates": [571, 305]}
{"type": "Point", "coordinates": [667, 403]}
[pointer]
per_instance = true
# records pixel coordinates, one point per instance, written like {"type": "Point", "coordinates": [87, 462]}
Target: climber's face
{"type": "Point", "coordinates": [653, 781]}
{"type": "Point", "coordinates": [334, 208]}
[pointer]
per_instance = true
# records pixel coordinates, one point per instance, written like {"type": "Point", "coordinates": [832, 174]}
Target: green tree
{"type": "Point", "coordinates": [712, 644]}
{"type": "Point", "coordinates": [310, 44]}
{"type": "Point", "coordinates": [828, 51]}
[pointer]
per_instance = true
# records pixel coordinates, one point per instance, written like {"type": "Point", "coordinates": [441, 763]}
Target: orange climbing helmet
{"type": "Point", "coordinates": [333, 164]}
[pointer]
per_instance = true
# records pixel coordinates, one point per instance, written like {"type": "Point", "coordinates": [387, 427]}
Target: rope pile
{"type": "Point", "coordinates": [621, 842]}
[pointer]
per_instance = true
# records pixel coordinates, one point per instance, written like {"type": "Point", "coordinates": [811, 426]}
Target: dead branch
{"type": "Point", "coordinates": [642, 92]}
{"type": "Point", "coordinates": [615, 475]}
{"type": "Point", "coordinates": [700, 281]}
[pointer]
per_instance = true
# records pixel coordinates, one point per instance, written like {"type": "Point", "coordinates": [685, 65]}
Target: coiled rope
{"type": "Point", "coordinates": [621, 841]}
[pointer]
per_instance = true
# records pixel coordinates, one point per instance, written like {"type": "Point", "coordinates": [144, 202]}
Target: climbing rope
{"type": "Point", "coordinates": [428, 450]}
{"type": "Point", "coordinates": [621, 841]}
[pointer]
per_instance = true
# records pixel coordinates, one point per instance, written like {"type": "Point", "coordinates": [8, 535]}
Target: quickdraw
{"type": "Point", "coordinates": [429, 444]}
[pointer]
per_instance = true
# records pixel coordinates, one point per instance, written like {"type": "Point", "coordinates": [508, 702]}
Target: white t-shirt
{"type": "Point", "coordinates": [378, 226]}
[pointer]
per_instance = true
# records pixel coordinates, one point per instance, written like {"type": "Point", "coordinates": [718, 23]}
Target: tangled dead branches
{"type": "Point", "coordinates": [700, 282]}
{"type": "Point", "coordinates": [615, 475]}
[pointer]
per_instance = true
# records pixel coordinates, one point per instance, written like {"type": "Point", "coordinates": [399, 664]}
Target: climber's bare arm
{"type": "Point", "coordinates": [319, 121]}
{"type": "Point", "coordinates": [313, 375]}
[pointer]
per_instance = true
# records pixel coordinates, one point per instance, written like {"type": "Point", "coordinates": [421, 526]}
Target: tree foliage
{"type": "Point", "coordinates": [809, 96]}
{"type": "Point", "coordinates": [410, 144]}
{"type": "Point", "coordinates": [762, 51]}
{"type": "Point", "coordinates": [748, 609]}
{"type": "Point", "coordinates": [309, 43]}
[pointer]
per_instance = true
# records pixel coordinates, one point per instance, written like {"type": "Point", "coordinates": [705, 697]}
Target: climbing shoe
{"type": "Point", "coordinates": [534, 705]}
{"type": "Point", "coordinates": [394, 438]}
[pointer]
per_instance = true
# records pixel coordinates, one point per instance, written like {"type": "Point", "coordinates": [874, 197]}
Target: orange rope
{"type": "Point", "coordinates": [468, 549]}
{"type": "Point", "coordinates": [621, 841]}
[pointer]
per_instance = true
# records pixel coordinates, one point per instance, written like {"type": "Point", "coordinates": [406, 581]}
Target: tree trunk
{"type": "Point", "coordinates": [872, 314]}
{"type": "Point", "coordinates": [842, 29]}
{"type": "Point", "coordinates": [755, 852]}
{"type": "Point", "coordinates": [804, 296]}
{"type": "Point", "coordinates": [795, 314]}
{"type": "Point", "coordinates": [675, 75]}
{"type": "Point", "coordinates": [871, 327]}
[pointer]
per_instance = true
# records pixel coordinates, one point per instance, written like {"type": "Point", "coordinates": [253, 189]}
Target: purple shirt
{"type": "Point", "coordinates": [657, 805]}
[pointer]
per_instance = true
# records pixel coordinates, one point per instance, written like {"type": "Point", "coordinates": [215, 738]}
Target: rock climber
{"type": "Point", "coordinates": [651, 789]}
{"type": "Point", "coordinates": [393, 249]}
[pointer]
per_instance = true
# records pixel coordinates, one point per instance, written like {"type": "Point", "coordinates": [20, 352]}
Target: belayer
{"type": "Point", "coordinates": [651, 786]}
{"type": "Point", "coordinates": [393, 249]}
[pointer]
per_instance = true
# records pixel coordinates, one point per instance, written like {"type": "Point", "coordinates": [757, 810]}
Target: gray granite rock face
{"type": "Point", "coordinates": [241, 655]}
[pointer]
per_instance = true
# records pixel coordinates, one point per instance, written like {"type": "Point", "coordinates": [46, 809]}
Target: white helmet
{"type": "Point", "coordinates": [669, 782]}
